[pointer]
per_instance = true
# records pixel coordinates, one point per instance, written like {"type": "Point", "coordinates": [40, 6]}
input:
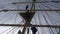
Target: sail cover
{"type": "Point", "coordinates": [40, 17]}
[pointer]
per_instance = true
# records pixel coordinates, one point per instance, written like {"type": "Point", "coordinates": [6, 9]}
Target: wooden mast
{"type": "Point", "coordinates": [27, 16]}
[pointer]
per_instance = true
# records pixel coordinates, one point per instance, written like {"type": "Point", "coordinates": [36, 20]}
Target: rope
{"type": "Point", "coordinates": [39, 20]}
{"type": "Point", "coordinates": [7, 19]}
{"type": "Point", "coordinates": [15, 18]}
{"type": "Point", "coordinates": [53, 5]}
{"type": "Point", "coordinates": [52, 18]}
{"type": "Point", "coordinates": [5, 30]}
{"type": "Point", "coordinates": [49, 18]}
{"type": "Point", "coordinates": [46, 6]}
{"type": "Point", "coordinates": [47, 21]}
{"type": "Point", "coordinates": [11, 30]}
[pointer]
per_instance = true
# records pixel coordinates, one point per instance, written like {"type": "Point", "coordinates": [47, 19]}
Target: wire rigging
{"type": "Point", "coordinates": [46, 6]}
{"type": "Point", "coordinates": [5, 30]}
{"type": "Point", "coordinates": [39, 17]}
{"type": "Point", "coordinates": [49, 17]}
{"type": "Point", "coordinates": [15, 17]}
{"type": "Point", "coordinates": [52, 5]}
{"type": "Point", "coordinates": [15, 29]}
{"type": "Point", "coordinates": [52, 18]}
{"type": "Point", "coordinates": [42, 28]}
{"type": "Point", "coordinates": [35, 19]}
{"type": "Point", "coordinates": [11, 29]}
{"type": "Point", "coordinates": [51, 29]}
{"type": "Point", "coordinates": [7, 19]}
{"type": "Point", "coordinates": [4, 15]}
{"type": "Point", "coordinates": [47, 21]}
{"type": "Point", "coordinates": [40, 20]}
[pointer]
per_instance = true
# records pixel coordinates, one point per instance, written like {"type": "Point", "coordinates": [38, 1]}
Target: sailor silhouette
{"type": "Point", "coordinates": [34, 30]}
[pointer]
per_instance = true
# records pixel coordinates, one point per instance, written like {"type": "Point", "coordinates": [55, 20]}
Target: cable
{"type": "Point", "coordinates": [7, 19]}
{"type": "Point", "coordinates": [8, 29]}
{"type": "Point", "coordinates": [42, 28]}
{"type": "Point", "coordinates": [35, 20]}
{"type": "Point", "coordinates": [51, 20]}
{"type": "Point", "coordinates": [15, 17]}
{"type": "Point", "coordinates": [51, 28]}
{"type": "Point", "coordinates": [11, 30]}
{"type": "Point", "coordinates": [5, 30]}
{"type": "Point", "coordinates": [52, 5]}
{"type": "Point", "coordinates": [15, 29]}
{"type": "Point", "coordinates": [48, 16]}
{"type": "Point", "coordinates": [39, 18]}
{"type": "Point", "coordinates": [46, 6]}
{"type": "Point", "coordinates": [33, 5]}
{"type": "Point", "coordinates": [3, 15]}
{"type": "Point", "coordinates": [51, 17]}
{"type": "Point", "coordinates": [46, 21]}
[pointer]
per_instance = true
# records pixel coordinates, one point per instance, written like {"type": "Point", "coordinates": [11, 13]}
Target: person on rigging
{"type": "Point", "coordinates": [34, 30]}
{"type": "Point", "coordinates": [26, 7]}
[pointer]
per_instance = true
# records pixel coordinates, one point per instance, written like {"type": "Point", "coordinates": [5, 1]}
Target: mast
{"type": "Point", "coordinates": [28, 16]}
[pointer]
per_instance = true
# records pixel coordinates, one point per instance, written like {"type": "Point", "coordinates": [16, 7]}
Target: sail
{"type": "Point", "coordinates": [41, 17]}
